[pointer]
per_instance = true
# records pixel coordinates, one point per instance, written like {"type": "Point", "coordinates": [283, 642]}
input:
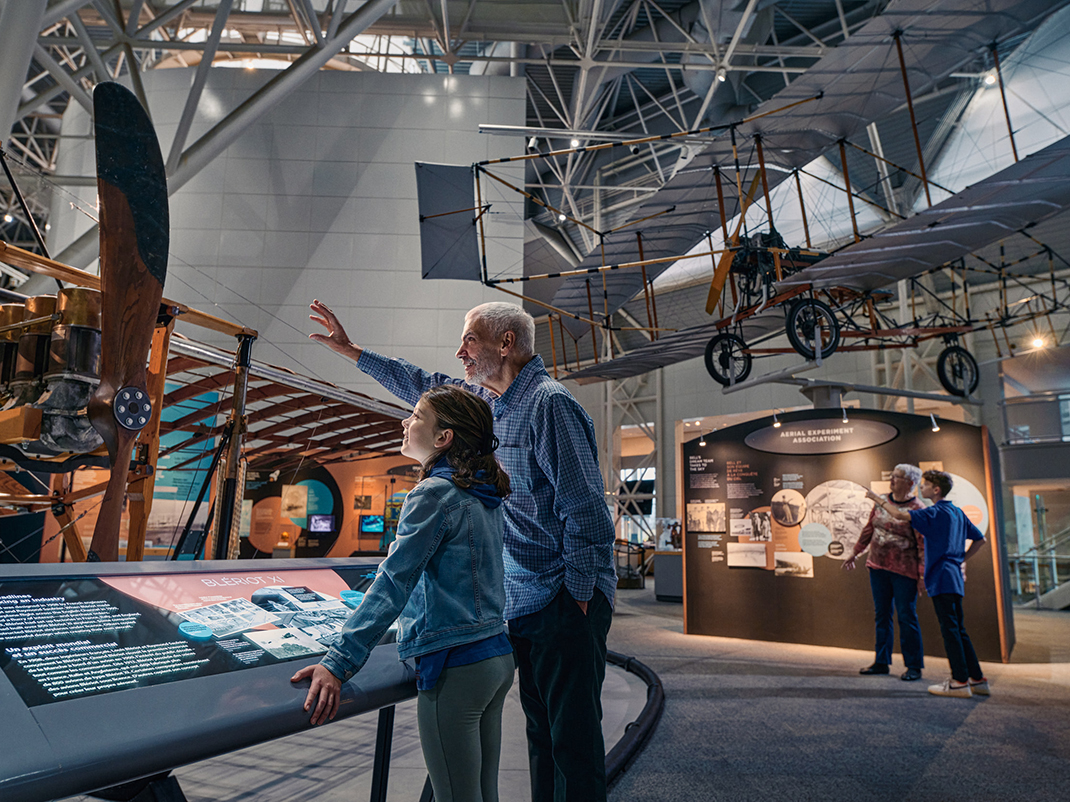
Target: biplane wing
{"type": "Point", "coordinates": [1019, 196]}
{"type": "Point", "coordinates": [676, 346]}
{"type": "Point", "coordinates": [859, 81]}
{"type": "Point", "coordinates": [1026, 193]}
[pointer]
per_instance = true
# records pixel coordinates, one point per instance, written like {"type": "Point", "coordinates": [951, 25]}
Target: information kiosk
{"type": "Point", "coordinates": [113, 672]}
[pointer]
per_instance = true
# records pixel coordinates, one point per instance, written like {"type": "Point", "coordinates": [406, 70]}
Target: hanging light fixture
{"type": "Point", "coordinates": [844, 410]}
{"type": "Point", "coordinates": [936, 426]}
{"type": "Point", "coordinates": [776, 421]}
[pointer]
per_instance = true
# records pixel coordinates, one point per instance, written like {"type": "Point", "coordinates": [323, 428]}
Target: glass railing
{"type": "Point", "coordinates": [1040, 570]}
{"type": "Point", "coordinates": [1038, 418]}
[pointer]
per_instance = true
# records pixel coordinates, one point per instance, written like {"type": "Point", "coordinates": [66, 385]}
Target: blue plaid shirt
{"type": "Point", "coordinates": [557, 525]}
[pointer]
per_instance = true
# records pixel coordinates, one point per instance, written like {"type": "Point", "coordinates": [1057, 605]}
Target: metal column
{"type": "Point", "coordinates": [20, 22]}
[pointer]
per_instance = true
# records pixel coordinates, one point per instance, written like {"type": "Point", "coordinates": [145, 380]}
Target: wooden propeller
{"type": "Point", "coordinates": [725, 263]}
{"type": "Point", "coordinates": [134, 239]}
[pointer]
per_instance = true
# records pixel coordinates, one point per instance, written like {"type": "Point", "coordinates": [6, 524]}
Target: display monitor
{"type": "Point", "coordinates": [320, 523]}
{"type": "Point", "coordinates": [372, 524]}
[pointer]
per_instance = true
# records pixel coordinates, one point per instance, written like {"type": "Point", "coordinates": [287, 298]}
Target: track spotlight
{"type": "Point", "coordinates": [722, 74]}
{"type": "Point", "coordinates": [702, 440]}
{"type": "Point", "coordinates": [936, 426]}
{"type": "Point", "coordinates": [990, 78]}
{"type": "Point", "coordinates": [634, 149]}
{"type": "Point", "coordinates": [562, 217]}
{"type": "Point", "coordinates": [8, 218]}
{"type": "Point", "coordinates": [573, 143]}
{"type": "Point", "coordinates": [1038, 342]}
{"type": "Point", "coordinates": [844, 410]}
{"type": "Point", "coordinates": [532, 143]}
{"type": "Point", "coordinates": [776, 421]}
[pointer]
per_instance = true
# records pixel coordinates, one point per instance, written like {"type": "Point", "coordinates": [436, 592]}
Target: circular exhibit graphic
{"type": "Point", "coordinates": [841, 506]}
{"type": "Point", "coordinates": [967, 497]}
{"type": "Point", "coordinates": [788, 507]}
{"type": "Point", "coordinates": [815, 539]}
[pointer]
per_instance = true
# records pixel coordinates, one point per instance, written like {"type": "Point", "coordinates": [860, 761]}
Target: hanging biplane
{"type": "Point", "coordinates": [761, 286]}
{"type": "Point", "coordinates": [85, 374]}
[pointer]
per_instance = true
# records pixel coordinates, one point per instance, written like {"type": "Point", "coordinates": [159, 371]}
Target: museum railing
{"type": "Point", "coordinates": [1040, 575]}
{"type": "Point", "coordinates": [1037, 418]}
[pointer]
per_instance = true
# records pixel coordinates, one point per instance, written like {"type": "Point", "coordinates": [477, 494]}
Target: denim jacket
{"type": "Point", "coordinates": [444, 581]}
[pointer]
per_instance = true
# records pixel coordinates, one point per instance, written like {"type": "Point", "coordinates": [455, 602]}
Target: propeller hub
{"type": "Point", "coordinates": [132, 408]}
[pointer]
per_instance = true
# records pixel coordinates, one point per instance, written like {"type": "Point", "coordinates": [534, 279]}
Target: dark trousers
{"type": "Point", "coordinates": [957, 643]}
{"type": "Point", "coordinates": [561, 657]}
{"type": "Point", "coordinates": [892, 590]}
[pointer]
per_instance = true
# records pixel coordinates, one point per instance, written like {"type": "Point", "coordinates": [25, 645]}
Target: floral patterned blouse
{"type": "Point", "coordinates": [893, 545]}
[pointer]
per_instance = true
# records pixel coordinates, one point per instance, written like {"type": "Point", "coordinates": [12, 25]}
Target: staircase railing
{"type": "Point", "coordinates": [1040, 569]}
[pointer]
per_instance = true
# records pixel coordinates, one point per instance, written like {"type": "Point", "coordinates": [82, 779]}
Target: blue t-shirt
{"type": "Point", "coordinates": [946, 529]}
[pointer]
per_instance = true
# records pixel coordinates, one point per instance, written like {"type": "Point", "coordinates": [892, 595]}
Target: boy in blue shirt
{"type": "Point", "coordinates": [946, 529]}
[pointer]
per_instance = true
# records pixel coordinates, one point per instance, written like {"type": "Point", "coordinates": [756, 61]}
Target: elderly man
{"type": "Point", "coordinates": [559, 572]}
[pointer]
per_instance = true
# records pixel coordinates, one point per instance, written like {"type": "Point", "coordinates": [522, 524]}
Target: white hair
{"type": "Point", "coordinates": [911, 472]}
{"type": "Point", "coordinates": [500, 317]}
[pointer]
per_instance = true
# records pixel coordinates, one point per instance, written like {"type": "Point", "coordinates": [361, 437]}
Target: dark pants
{"type": "Point", "coordinates": [892, 589]}
{"type": "Point", "coordinates": [561, 657]}
{"type": "Point", "coordinates": [957, 643]}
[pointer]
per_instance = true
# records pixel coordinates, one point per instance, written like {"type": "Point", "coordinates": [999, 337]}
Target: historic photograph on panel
{"type": "Point", "coordinates": [794, 563]}
{"type": "Point", "coordinates": [761, 527]}
{"type": "Point", "coordinates": [746, 555]}
{"type": "Point", "coordinates": [285, 644]}
{"type": "Point", "coordinates": [842, 506]}
{"type": "Point", "coordinates": [705, 516]}
{"type": "Point", "coordinates": [740, 527]}
{"type": "Point", "coordinates": [294, 501]}
{"type": "Point", "coordinates": [788, 507]}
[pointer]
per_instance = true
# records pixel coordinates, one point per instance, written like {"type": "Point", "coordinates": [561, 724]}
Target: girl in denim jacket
{"type": "Point", "coordinates": [444, 582]}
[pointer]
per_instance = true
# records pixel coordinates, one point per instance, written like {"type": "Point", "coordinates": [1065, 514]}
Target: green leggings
{"type": "Point", "coordinates": [460, 722]}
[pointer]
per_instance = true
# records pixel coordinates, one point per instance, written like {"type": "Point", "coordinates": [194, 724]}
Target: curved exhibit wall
{"type": "Point", "coordinates": [772, 513]}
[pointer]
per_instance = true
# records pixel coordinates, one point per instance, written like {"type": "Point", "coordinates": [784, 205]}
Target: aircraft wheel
{"type": "Point", "coordinates": [726, 361]}
{"type": "Point", "coordinates": [809, 322]}
{"type": "Point", "coordinates": [957, 370]}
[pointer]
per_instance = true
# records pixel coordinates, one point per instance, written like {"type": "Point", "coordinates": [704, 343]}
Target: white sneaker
{"type": "Point", "coordinates": [979, 687]}
{"type": "Point", "coordinates": [951, 688]}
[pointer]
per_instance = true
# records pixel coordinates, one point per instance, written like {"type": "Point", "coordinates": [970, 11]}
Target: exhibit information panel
{"type": "Point", "coordinates": [110, 672]}
{"type": "Point", "coordinates": [70, 637]}
{"type": "Point", "coordinates": [772, 513]}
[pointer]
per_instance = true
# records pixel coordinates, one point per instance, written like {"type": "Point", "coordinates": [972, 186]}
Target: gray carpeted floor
{"type": "Point", "coordinates": [747, 720]}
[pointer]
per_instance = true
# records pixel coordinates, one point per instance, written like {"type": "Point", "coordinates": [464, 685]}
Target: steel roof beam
{"type": "Point", "coordinates": [19, 24]}
{"type": "Point", "coordinates": [205, 149]}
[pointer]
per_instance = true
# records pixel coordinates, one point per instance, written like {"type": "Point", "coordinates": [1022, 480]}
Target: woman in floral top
{"type": "Point", "coordinates": [895, 563]}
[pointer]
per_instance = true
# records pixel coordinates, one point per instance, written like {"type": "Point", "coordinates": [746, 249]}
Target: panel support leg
{"type": "Point", "coordinates": [384, 737]}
